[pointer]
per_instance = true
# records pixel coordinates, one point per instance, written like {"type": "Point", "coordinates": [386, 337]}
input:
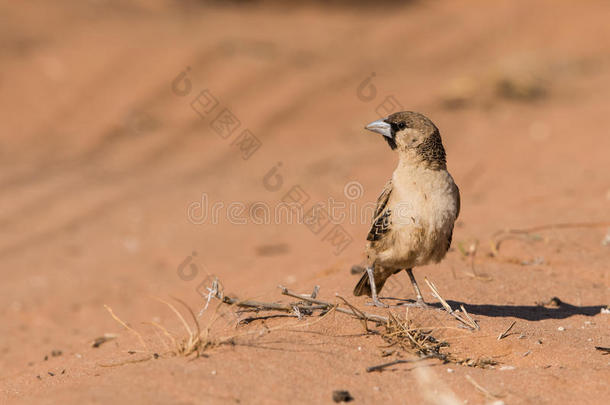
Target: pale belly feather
{"type": "Point", "coordinates": [423, 215]}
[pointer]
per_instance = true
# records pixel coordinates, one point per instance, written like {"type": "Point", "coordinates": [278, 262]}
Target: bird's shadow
{"type": "Point", "coordinates": [529, 312]}
{"type": "Point", "coordinates": [559, 310]}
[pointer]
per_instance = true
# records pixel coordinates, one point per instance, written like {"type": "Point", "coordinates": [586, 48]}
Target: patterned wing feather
{"type": "Point", "coordinates": [457, 190]}
{"type": "Point", "coordinates": [382, 220]}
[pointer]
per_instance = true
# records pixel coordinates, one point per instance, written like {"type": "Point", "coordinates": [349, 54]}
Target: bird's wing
{"type": "Point", "coordinates": [382, 219]}
{"type": "Point", "coordinates": [457, 191]}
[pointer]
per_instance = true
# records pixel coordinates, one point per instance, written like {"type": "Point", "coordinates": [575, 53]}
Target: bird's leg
{"type": "Point", "coordinates": [420, 299]}
{"type": "Point", "coordinates": [376, 302]}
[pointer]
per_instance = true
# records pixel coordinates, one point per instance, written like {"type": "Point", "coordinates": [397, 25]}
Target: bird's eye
{"type": "Point", "coordinates": [401, 125]}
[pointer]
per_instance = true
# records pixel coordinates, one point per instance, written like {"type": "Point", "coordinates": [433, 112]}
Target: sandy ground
{"type": "Point", "coordinates": [106, 170]}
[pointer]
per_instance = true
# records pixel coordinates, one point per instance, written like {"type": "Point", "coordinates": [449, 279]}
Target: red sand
{"type": "Point", "coordinates": [101, 160]}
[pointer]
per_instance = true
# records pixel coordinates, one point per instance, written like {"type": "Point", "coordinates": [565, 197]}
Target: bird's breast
{"type": "Point", "coordinates": [424, 208]}
{"type": "Point", "coordinates": [425, 198]}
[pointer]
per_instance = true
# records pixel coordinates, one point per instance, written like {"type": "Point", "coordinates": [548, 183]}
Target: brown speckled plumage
{"type": "Point", "coordinates": [415, 214]}
{"type": "Point", "coordinates": [431, 149]}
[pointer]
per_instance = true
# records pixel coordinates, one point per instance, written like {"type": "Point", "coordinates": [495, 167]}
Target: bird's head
{"type": "Point", "coordinates": [413, 135]}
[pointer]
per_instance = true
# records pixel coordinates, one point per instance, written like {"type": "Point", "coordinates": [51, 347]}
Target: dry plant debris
{"type": "Point", "coordinates": [97, 342]}
{"type": "Point", "coordinates": [604, 350]}
{"type": "Point", "coordinates": [410, 338]}
{"type": "Point", "coordinates": [196, 341]}
{"type": "Point", "coordinates": [505, 333]}
{"type": "Point", "coordinates": [482, 390]}
{"type": "Point", "coordinates": [380, 367]}
{"type": "Point", "coordinates": [554, 302]}
{"type": "Point", "coordinates": [400, 333]}
{"type": "Point", "coordinates": [528, 233]}
{"type": "Point", "coordinates": [414, 339]}
{"type": "Point", "coordinates": [466, 320]}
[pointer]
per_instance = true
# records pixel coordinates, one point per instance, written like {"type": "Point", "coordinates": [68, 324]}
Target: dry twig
{"type": "Point", "coordinates": [481, 389]}
{"type": "Point", "coordinates": [604, 350]}
{"type": "Point", "coordinates": [505, 333]}
{"type": "Point", "coordinates": [129, 328]}
{"type": "Point", "coordinates": [505, 234]}
{"type": "Point", "coordinates": [468, 322]}
{"type": "Point", "coordinates": [97, 342]}
{"type": "Point", "coordinates": [381, 367]}
{"type": "Point", "coordinates": [357, 314]}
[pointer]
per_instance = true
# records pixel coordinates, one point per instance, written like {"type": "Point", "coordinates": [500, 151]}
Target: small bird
{"type": "Point", "coordinates": [415, 213]}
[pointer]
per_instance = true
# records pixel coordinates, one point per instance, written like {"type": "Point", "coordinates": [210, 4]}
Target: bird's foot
{"type": "Point", "coordinates": [420, 303]}
{"type": "Point", "coordinates": [377, 303]}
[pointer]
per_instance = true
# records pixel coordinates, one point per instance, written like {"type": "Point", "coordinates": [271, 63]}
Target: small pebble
{"type": "Point", "coordinates": [450, 370]}
{"type": "Point", "coordinates": [342, 396]}
{"type": "Point", "coordinates": [561, 328]}
{"type": "Point", "coordinates": [213, 372]}
{"type": "Point", "coordinates": [503, 368]}
{"type": "Point", "coordinates": [606, 240]}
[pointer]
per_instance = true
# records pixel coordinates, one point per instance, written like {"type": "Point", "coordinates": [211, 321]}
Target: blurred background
{"type": "Point", "coordinates": [121, 120]}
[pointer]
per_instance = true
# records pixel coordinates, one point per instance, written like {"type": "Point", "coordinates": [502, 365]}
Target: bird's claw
{"type": "Point", "coordinates": [420, 303]}
{"type": "Point", "coordinates": [377, 303]}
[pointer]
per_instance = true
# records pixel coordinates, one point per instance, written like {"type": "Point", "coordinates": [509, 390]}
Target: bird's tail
{"type": "Point", "coordinates": [364, 286]}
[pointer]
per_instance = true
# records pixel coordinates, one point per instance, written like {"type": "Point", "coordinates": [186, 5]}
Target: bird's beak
{"type": "Point", "coordinates": [381, 127]}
